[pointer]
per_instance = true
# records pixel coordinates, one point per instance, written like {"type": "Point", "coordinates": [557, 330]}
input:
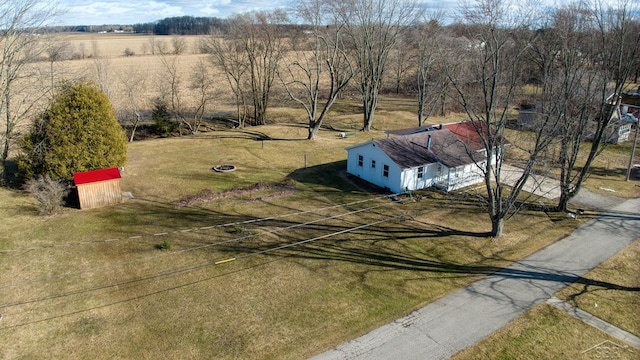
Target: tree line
{"type": "Point", "coordinates": [181, 25]}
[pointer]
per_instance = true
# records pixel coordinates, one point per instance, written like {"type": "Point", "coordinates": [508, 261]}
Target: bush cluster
{"type": "Point", "coordinates": [49, 194]}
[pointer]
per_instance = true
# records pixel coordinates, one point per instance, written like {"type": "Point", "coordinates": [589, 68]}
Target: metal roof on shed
{"type": "Point", "coordinates": [87, 177]}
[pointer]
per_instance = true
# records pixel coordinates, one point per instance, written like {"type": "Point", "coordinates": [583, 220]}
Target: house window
{"type": "Point", "coordinates": [420, 172]}
{"type": "Point", "coordinates": [373, 164]}
{"type": "Point", "coordinates": [360, 160]}
{"type": "Point", "coordinates": [385, 170]}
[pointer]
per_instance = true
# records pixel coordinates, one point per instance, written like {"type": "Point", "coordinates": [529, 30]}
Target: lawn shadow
{"type": "Point", "coordinates": [334, 175]}
{"type": "Point", "coordinates": [248, 134]}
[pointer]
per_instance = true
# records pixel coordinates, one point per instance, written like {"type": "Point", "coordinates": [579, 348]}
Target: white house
{"type": "Point", "coordinates": [448, 157]}
{"type": "Point", "coordinates": [625, 114]}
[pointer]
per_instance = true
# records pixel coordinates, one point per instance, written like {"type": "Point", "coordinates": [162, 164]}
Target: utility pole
{"type": "Point", "coordinates": [633, 151]}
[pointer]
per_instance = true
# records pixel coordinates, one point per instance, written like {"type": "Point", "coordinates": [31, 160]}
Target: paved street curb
{"type": "Point", "coordinates": [597, 323]}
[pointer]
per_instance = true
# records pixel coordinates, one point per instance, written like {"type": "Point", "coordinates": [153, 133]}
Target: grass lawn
{"type": "Point", "coordinates": [546, 332]}
{"type": "Point", "coordinates": [313, 267]}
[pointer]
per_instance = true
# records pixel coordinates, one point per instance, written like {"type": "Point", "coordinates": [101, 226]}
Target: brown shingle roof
{"type": "Point", "coordinates": [411, 150]}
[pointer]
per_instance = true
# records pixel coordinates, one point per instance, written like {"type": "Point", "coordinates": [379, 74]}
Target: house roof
{"type": "Point", "coordinates": [408, 131]}
{"type": "Point", "coordinates": [630, 99]}
{"type": "Point", "coordinates": [469, 133]}
{"type": "Point", "coordinates": [96, 175]}
{"type": "Point", "coordinates": [411, 150]}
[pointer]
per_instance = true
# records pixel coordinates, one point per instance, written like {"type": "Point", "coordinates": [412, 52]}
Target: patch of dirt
{"type": "Point", "coordinates": [265, 190]}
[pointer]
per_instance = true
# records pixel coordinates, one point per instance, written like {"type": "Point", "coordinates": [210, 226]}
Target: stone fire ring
{"type": "Point", "coordinates": [224, 168]}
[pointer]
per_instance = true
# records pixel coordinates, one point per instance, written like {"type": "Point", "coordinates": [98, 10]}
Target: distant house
{"type": "Point", "coordinates": [529, 116]}
{"type": "Point", "coordinates": [625, 114]}
{"type": "Point", "coordinates": [448, 156]}
{"type": "Point", "coordinates": [98, 188]}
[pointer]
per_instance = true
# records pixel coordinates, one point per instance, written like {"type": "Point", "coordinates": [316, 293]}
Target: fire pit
{"type": "Point", "coordinates": [224, 168]}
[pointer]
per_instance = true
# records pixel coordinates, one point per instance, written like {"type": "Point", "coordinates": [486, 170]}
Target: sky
{"type": "Point", "coordinates": [128, 12]}
{"type": "Point", "coordinates": [101, 12]}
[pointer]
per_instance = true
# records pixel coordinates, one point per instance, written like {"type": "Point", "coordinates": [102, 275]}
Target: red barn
{"type": "Point", "coordinates": [98, 188]}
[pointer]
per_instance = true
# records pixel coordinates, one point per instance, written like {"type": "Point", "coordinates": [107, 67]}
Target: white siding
{"type": "Point", "coordinates": [410, 180]}
{"type": "Point", "coordinates": [400, 180]}
{"type": "Point", "coordinates": [375, 174]}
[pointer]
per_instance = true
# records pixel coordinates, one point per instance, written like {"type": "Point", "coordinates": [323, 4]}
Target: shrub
{"type": "Point", "coordinates": [48, 193]}
{"type": "Point", "coordinates": [162, 118]}
{"type": "Point", "coordinates": [165, 245]}
{"type": "Point", "coordinates": [237, 230]}
{"type": "Point", "coordinates": [77, 132]}
{"type": "Point", "coordinates": [129, 52]}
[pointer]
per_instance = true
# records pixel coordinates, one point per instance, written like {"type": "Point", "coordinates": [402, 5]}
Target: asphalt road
{"type": "Point", "coordinates": [465, 317]}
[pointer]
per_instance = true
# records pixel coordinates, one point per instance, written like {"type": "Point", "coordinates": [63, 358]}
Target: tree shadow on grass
{"type": "Point", "coordinates": [616, 172]}
{"type": "Point", "coordinates": [401, 256]}
{"type": "Point", "coordinates": [247, 134]}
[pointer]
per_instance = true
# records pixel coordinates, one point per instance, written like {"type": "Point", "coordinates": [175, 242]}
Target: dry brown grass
{"type": "Point", "coordinates": [113, 45]}
{"type": "Point", "coordinates": [546, 332]}
{"type": "Point", "coordinates": [125, 298]}
{"type": "Point", "coordinates": [617, 306]}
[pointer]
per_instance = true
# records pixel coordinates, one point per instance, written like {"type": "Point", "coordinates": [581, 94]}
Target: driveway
{"type": "Point", "coordinates": [537, 184]}
{"type": "Point", "coordinates": [467, 316]}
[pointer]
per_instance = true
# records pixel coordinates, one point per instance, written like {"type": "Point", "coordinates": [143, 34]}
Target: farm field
{"type": "Point", "coordinates": [315, 265]}
{"type": "Point", "coordinates": [291, 258]}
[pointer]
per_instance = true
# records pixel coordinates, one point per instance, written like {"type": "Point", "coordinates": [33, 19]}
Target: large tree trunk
{"type": "Point", "coordinates": [313, 130]}
{"type": "Point", "coordinates": [497, 226]}
{"type": "Point", "coordinates": [369, 111]}
{"type": "Point", "coordinates": [563, 202]}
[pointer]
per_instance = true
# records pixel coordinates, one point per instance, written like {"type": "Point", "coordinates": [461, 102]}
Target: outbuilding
{"type": "Point", "coordinates": [98, 188]}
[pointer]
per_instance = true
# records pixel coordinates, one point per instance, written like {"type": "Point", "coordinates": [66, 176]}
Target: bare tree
{"type": "Point", "coordinates": [230, 57]}
{"type": "Point", "coordinates": [179, 45]}
{"type": "Point", "coordinates": [598, 47]}
{"type": "Point", "coordinates": [186, 104]}
{"type": "Point", "coordinates": [133, 80]}
{"type": "Point", "coordinates": [491, 79]}
{"type": "Point", "coordinates": [160, 47]}
{"type": "Point", "coordinates": [262, 36]}
{"type": "Point", "coordinates": [83, 50]}
{"type": "Point", "coordinates": [402, 59]}
{"type": "Point", "coordinates": [19, 45]}
{"type": "Point", "coordinates": [101, 66]}
{"type": "Point", "coordinates": [427, 37]}
{"type": "Point", "coordinates": [171, 90]}
{"type": "Point", "coordinates": [151, 45]}
{"type": "Point", "coordinates": [57, 50]}
{"type": "Point", "coordinates": [202, 84]}
{"type": "Point", "coordinates": [374, 27]}
{"type": "Point", "coordinates": [321, 69]}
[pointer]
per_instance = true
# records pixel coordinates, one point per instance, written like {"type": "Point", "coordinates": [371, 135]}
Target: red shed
{"type": "Point", "coordinates": [98, 188]}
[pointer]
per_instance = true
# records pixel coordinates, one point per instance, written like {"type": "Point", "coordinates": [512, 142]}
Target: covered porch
{"type": "Point", "coordinates": [454, 178]}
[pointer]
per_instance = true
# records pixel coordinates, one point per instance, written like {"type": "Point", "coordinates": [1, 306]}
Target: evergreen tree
{"type": "Point", "coordinates": [162, 121]}
{"type": "Point", "coordinates": [77, 132]}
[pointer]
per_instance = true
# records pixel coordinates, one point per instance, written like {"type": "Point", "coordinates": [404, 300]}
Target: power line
{"type": "Point", "coordinates": [212, 263]}
{"type": "Point", "coordinates": [121, 264]}
{"type": "Point", "coordinates": [209, 227]}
